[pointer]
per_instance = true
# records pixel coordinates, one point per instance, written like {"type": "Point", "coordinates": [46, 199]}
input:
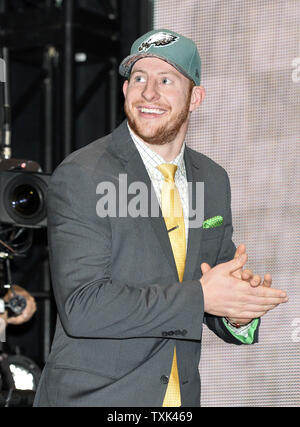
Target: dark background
{"type": "Point", "coordinates": [39, 132]}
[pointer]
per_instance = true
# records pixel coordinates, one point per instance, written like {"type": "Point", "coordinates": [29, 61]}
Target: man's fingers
{"type": "Point", "coordinates": [236, 263]}
{"type": "Point", "coordinates": [262, 291]}
{"type": "Point", "coordinates": [267, 280]}
{"type": "Point", "coordinates": [247, 274]}
{"type": "Point", "coordinates": [255, 281]}
{"type": "Point", "coordinates": [205, 267]}
{"type": "Point", "coordinates": [240, 250]}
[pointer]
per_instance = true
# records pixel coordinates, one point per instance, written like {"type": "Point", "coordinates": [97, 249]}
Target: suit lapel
{"type": "Point", "coordinates": [194, 175]}
{"type": "Point", "coordinates": [123, 147]}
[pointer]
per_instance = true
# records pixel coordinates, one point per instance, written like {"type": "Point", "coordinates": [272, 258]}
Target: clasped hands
{"type": "Point", "coordinates": [237, 294]}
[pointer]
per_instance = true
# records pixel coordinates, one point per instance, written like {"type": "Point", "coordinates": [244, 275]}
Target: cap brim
{"type": "Point", "coordinates": [127, 64]}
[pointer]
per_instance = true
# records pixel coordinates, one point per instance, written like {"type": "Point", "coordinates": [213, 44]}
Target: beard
{"type": "Point", "coordinates": [167, 132]}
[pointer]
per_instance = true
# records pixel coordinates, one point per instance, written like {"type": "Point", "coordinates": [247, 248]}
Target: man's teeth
{"type": "Point", "coordinates": [151, 111]}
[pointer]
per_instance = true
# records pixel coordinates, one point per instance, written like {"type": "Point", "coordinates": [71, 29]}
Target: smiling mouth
{"type": "Point", "coordinates": [152, 111]}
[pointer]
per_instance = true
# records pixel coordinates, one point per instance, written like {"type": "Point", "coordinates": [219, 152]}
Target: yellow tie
{"type": "Point", "coordinates": [173, 215]}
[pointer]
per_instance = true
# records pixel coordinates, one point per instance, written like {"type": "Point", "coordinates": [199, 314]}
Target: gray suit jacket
{"type": "Point", "coordinates": [120, 306]}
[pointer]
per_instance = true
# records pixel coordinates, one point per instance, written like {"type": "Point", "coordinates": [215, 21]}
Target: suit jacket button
{"type": "Point", "coordinates": [164, 379]}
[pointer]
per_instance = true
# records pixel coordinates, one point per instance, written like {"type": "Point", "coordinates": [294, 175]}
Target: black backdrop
{"type": "Point", "coordinates": [135, 18]}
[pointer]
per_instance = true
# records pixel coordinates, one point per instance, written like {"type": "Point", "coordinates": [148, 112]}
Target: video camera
{"type": "Point", "coordinates": [23, 189]}
{"type": "Point", "coordinates": [23, 186]}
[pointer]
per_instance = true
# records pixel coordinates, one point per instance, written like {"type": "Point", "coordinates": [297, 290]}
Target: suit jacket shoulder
{"type": "Point", "coordinates": [89, 155]}
{"type": "Point", "coordinates": [106, 155]}
{"type": "Point", "coordinates": [205, 163]}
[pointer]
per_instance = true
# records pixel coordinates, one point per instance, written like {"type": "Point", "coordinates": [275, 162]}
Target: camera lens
{"type": "Point", "coordinates": [25, 200]}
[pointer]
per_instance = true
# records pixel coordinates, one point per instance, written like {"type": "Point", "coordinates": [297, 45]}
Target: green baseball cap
{"type": "Point", "coordinates": [179, 51]}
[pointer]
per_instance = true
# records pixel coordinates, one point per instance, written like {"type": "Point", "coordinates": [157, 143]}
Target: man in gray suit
{"type": "Point", "coordinates": [123, 305]}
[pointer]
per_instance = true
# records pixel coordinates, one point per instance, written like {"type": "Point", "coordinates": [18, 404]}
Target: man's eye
{"type": "Point", "coordinates": [139, 79]}
{"type": "Point", "coordinates": [166, 81]}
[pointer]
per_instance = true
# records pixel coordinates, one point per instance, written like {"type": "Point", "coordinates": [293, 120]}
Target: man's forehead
{"type": "Point", "coordinates": [151, 63]}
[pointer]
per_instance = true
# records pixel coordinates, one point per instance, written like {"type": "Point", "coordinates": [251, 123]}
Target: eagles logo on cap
{"type": "Point", "coordinates": [158, 40]}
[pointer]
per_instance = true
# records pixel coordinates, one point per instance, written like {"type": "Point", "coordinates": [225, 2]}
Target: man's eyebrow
{"type": "Point", "coordinates": [170, 73]}
{"type": "Point", "coordinates": [173, 73]}
{"type": "Point", "coordinates": [138, 71]}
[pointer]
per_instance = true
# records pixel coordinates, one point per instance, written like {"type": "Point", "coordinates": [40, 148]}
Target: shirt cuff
{"type": "Point", "coordinates": [245, 334]}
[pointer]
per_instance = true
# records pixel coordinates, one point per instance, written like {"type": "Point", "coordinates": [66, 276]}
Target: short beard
{"type": "Point", "coordinates": [164, 134]}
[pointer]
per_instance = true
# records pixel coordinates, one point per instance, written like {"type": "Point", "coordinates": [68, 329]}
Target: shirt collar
{"type": "Point", "coordinates": [152, 159]}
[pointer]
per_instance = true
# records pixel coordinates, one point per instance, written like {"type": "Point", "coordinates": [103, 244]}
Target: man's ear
{"type": "Point", "coordinates": [125, 86]}
{"type": "Point", "coordinates": [198, 95]}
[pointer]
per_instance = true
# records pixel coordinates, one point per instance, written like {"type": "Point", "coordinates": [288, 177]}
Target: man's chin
{"type": "Point", "coordinates": [155, 138]}
{"type": "Point", "coordinates": [157, 135]}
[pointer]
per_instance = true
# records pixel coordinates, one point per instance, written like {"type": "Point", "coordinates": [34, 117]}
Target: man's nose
{"type": "Point", "coordinates": [150, 91]}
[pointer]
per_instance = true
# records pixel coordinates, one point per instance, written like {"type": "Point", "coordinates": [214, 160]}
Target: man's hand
{"type": "Point", "coordinates": [229, 291]}
{"type": "Point", "coordinates": [248, 276]}
{"type": "Point", "coordinates": [29, 310]}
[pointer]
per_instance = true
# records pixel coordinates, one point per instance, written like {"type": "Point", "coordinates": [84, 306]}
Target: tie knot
{"type": "Point", "coordinates": [168, 171]}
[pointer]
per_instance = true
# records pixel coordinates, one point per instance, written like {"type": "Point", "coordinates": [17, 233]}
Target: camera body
{"type": "Point", "coordinates": [23, 198]}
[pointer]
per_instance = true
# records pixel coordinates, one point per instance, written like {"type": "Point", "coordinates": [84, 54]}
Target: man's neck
{"type": "Point", "coordinates": [169, 151]}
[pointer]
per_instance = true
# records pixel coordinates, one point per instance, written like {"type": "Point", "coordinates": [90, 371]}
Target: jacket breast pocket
{"type": "Point", "coordinates": [211, 244]}
{"type": "Point", "coordinates": [212, 233]}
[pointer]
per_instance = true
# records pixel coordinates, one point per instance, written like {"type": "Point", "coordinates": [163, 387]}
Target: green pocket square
{"type": "Point", "coordinates": [213, 222]}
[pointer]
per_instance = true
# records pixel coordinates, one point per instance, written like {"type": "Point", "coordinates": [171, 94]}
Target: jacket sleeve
{"type": "Point", "coordinates": [89, 303]}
